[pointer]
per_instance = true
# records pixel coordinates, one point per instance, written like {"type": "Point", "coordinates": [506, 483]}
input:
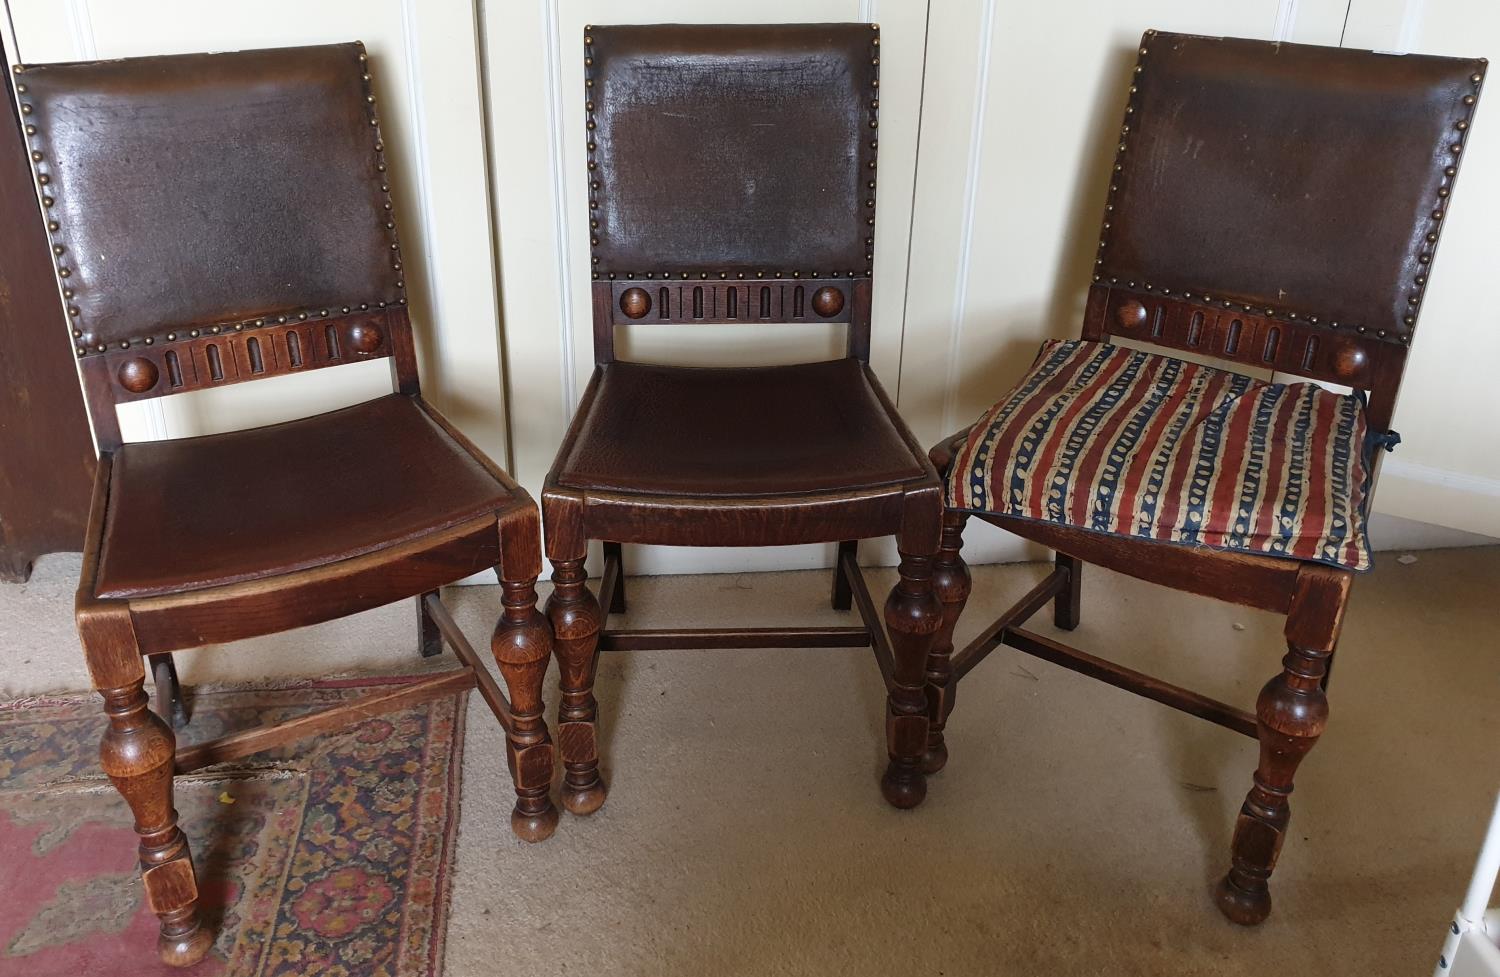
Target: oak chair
{"type": "Point", "coordinates": [216, 219]}
{"type": "Point", "coordinates": [1276, 206]}
{"type": "Point", "coordinates": [732, 180]}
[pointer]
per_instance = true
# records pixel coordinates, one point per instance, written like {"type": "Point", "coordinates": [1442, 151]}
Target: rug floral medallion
{"type": "Point", "coordinates": [331, 856]}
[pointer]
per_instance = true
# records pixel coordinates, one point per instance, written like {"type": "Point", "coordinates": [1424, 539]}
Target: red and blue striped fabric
{"type": "Point", "coordinates": [1130, 443]}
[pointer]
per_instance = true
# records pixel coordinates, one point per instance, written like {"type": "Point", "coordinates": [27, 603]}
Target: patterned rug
{"type": "Point", "coordinates": [331, 856]}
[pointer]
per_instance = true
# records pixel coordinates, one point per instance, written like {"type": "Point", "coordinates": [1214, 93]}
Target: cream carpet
{"type": "Point", "coordinates": [1076, 830]}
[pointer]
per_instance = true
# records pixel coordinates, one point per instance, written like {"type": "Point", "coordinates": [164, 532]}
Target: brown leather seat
{"type": "Point", "coordinates": [812, 427]}
{"type": "Point", "coordinates": [284, 498]}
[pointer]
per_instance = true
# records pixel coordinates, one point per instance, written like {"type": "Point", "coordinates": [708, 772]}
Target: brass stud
{"type": "Point", "coordinates": [1437, 215]}
{"type": "Point", "coordinates": [1432, 238]}
{"type": "Point", "coordinates": [239, 327]}
{"type": "Point", "coordinates": [1442, 191]}
{"type": "Point", "coordinates": [1450, 171]}
{"type": "Point", "coordinates": [1409, 320]}
{"type": "Point", "coordinates": [193, 333]}
{"type": "Point", "coordinates": [1468, 99]}
{"type": "Point", "coordinates": [1456, 148]}
{"type": "Point", "coordinates": [73, 310]}
{"type": "Point", "coordinates": [31, 130]}
{"type": "Point", "coordinates": [1424, 258]}
{"type": "Point", "coordinates": [25, 109]}
{"type": "Point", "coordinates": [44, 179]}
{"type": "Point", "coordinates": [82, 351]}
{"type": "Point", "coordinates": [587, 39]}
{"type": "Point", "coordinates": [215, 330]}
{"type": "Point", "coordinates": [1421, 279]}
{"type": "Point", "coordinates": [63, 273]}
{"type": "Point", "coordinates": [171, 336]}
{"type": "Point", "coordinates": [150, 341]}
{"type": "Point", "coordinates": [52, 225]}
{"type": "Point", "coordinates": [36, 155]}
{"type": "Point", "coordinates": [67, 293]}
{"type": "Point", "coordinates": [57, 249]}
{"type": "Point", "coordinates": [1476, 78]}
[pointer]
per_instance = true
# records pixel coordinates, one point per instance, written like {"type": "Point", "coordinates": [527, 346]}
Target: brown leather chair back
{"type": "Point", "coordinates": [1279, 205]}
{"type": "Point", "coordinates": [217, 218]}
{"type": "Point", "coordinates": [732, 174]}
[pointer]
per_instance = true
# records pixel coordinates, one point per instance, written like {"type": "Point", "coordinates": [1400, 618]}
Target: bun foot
{"type": "Point", "coordinates": [185, 949]}
{"type": "Point", "coordinates": [534, 826]}
{"type": "Point", "coordinates": [935, 759]}
{"type": "Point", "coordinates": [584, 801]}
{"type": "Point", "coordinates": [903, 787]}
{"type": "Point", "coordinates": [1241, 905]}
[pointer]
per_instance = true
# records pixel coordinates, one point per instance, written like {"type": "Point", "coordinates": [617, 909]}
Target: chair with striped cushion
{"type": "Point", "coordinates": [1276, 206]}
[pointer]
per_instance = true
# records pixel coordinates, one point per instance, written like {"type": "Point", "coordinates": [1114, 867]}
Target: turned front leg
{"type": "Point", "coordinates": [137, 755]}
{"type": "Point", "coordinates": [1291, 713]}
{"type": "Point", "coordinates": [951, 584]}
{"type": "Point", "coordinates": [575, 617]}
{"type": "Point", "coordinates": [912, 616]}
{"type": "Point", "coordinates": [522, 644]}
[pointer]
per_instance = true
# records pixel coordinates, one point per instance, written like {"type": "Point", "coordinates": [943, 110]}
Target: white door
{"type": "Point", "coordinates": [425, 61]}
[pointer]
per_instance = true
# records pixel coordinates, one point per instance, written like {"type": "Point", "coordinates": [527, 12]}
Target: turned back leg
{"type": "Point", "coordinates": [1066, 607]}
{"type": "Point", "coordinates": [429, 638]}
{"type": "Point", "coordinates": [843, 590]}
{"type": "Point", "coordinates": [615, 552]}
{"type": "Point", "coordinates": [168, 701]}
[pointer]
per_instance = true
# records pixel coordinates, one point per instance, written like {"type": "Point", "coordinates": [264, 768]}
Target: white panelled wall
{"type": "Point", "coordinates": [995, 141]}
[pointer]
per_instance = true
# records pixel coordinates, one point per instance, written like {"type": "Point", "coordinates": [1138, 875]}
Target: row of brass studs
{"type": "Point", "coordinates": [385, 186]}
{"type": "Point", "coordinates": [1445, 188]}
{"type": "Point", "coordinates": [44, 180]}
{"type": "Point", "coordinates": [594, 185]}
{"type": "Point", "coordinates": [667, 275]}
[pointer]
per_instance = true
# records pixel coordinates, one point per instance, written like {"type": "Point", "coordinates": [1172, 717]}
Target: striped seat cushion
{"type": "Point", "coordinates": [1110, 439]}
